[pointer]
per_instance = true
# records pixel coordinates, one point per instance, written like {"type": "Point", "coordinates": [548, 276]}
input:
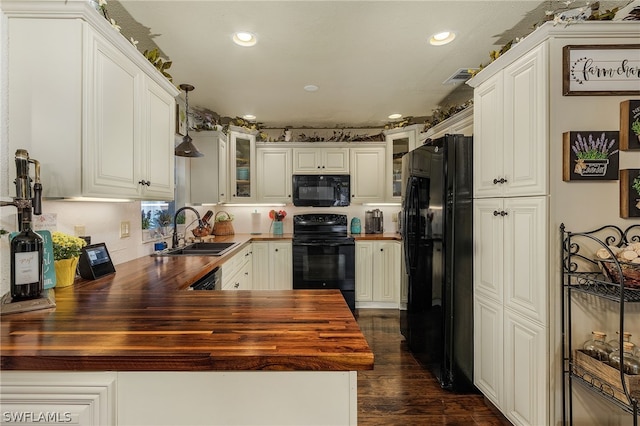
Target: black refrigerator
{"type": "Point", "coordinates": [437, 234]}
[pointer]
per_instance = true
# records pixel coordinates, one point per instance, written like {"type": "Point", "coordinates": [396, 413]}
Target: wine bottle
{"type": "Point", "coordinates": [27, 255]}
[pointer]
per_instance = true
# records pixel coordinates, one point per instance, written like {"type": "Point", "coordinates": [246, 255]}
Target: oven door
{"type": "Point", "coordinates": [324, 265]}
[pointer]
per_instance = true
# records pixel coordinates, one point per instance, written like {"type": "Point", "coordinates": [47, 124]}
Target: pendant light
{"type": "Point", "coordinates": [186, 147]}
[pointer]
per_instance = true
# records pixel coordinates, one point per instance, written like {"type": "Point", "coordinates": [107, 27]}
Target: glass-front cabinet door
{"type": "Point", "coordinates": [399, 142]}
{"type": "Point", "coordinates": [242, 165]}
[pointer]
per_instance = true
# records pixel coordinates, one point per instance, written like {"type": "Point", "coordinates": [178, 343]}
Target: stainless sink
{"type": "Point", "coordinates": [199, 249]}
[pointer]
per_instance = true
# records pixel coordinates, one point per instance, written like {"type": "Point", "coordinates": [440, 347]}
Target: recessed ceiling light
{"type": "Point", "coordinates": [245, 39]}
{"type": "Point", "coordinates": [311, 88]}
{"type": "Point", "coordinates": [395, 116]}
{"type": "Point", "coordinates": [442, 38]}
{"type": "Point", "coordinates": [249, 117]}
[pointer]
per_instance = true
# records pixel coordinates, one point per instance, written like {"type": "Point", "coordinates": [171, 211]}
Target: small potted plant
{"type": "Point", "coordinates": [66, 252]}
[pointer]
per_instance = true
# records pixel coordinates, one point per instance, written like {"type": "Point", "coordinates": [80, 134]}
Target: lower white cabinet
{"type": "Point", "coordinates": [39, 397]}
{"type": "Point", "coordinates": [272, 265]}
{"type": "Point", "coordinates": [378, 273]}
{"type": "Point", "coordinates": [237, 272]}
{"type": "Point", "coordinates": [510, 308]}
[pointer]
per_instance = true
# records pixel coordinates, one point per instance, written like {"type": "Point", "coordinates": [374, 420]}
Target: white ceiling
{"type": "Point", "coordinates": [368, 58]}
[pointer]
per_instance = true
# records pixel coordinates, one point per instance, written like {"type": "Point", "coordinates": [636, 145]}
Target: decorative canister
{"type": "Point", "coordinates": [277, 227]}
{"type": "Point", "coordinates": [355, 226]}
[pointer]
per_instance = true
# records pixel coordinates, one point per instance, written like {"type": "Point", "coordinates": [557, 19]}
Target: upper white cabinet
{"type": "Point", "coordinates": [114, 135]}
{"type": "Point", "coordinates": [510, 129]}
{"type": "Point", "coordinates": [274, 174]}
{"type": "Point", "coordinates": [242, 165]}
{"type": "Point", "coordinates": [208, 174]}
{"type": "Point", "coordinates": [367, 174]}
{"type": "Point", "coordinates": [399, 142]}
{"type": "Point", "coordinates": [320, 160]}
{"type": "Point", "coordinates": [461, 123]}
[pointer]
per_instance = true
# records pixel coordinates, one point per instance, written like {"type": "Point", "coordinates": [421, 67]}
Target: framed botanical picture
{"type": "Point", "coordinates": [590, 155]}
{"type": "Point", "coordinates": [630, 193]}
{"type": "Point", "coordinates": [630, 125]}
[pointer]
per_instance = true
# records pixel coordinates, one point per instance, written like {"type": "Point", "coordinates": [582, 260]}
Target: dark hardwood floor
{"type": "Point", "coordinates": [399, 391]}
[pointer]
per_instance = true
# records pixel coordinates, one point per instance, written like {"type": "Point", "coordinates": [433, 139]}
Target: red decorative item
{"type": "Point", "coordinates": [277, 215]}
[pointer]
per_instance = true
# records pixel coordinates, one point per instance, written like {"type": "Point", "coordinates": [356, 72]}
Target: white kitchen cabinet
{"type": "Point", "coordinates": [321, 160]}
{"type": "Point", "coordinates": [272, 265]}
{"type": "Point", "coordinates": [378, 274]}
{"type": "Point", "coordinates": [208, 174]}
{"type": "Point", "coordinates": [510, 129]}
{"type": "Point", "coordinates": [510, 263]}
{"type": "Point", "coordinates": [242, 165]}
{"type": "Point", "coordinates": [399, 142]}
{"type": "Point", "coordinates": [460, 123]}
{"type": "Point", "coordinates": [114, 136]}
{"type": "Point", "coordinates": [367, 174]}
{"type": "Point", "coordinates": [237, 272]}
{"type": "Point", "coordinates": [46, 397]}
{"type": "Point", "coordinates": [274, 174]}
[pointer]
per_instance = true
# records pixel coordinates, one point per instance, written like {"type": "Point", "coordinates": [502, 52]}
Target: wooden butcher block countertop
{"type": "Point", "coordinates": [142, 319]}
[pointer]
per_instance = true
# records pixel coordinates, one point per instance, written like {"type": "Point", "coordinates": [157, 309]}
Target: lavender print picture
{"type": "Point", "coordinates": [590, 155]}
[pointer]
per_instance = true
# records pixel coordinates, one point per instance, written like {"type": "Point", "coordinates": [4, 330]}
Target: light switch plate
{"type": "Point", "coordinates": [125, 229]}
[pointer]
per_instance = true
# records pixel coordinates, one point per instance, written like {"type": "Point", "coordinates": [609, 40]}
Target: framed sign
{"type": "Point", "coordinates": [590, 70]}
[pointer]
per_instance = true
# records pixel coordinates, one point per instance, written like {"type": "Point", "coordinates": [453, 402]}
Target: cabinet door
{"type": "Point", "coordinates": [525, 124]}
{"type": "Point", "coordinates": [158, 138]}
{"type": "Point", "coordinates": [281, 265]}
{"type": "Point", "coordinates": [335, 160]}
{"type": "Point", "coordinates": [204, 176]}
{"type": "Point", "coordinates": [111, 152]}
{"type": "Point", "coordinates": [367, 175]}
{"type": "Point", "coordinates": [525, 256]}
{"type": "Point", "coordinates": [397, 145]}
{"type": "Point", "coordinates": [488, 136]}
{"type": "Point", "coordinates": [261, 269]}
{"type": "Point", "coordinates": [242, 153]}
{"type": "Point", "coordinates": [386, 271]}
{"type": "Point", "coordinates": [274, 175]}
{"type": "Point", "coordinates": [364, 271]}
{"type": "Point", "coordinates": [525, 371]}
{"type": "Point", "coordinates": [488, 348]}
{"type": "Point", "coordinates": [488, 248]}
{"type": "Point", "coordinates": [306, 160]}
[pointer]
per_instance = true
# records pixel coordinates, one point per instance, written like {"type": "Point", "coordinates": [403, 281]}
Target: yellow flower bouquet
{"type": "Point", "coordinates": [66, 252]}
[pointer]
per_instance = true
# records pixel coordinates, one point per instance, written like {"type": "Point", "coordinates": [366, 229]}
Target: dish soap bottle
{"type": "Point", "coordinates": [355, 226]}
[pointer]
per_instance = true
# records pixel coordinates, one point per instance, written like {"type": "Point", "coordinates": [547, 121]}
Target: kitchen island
{"type": "Point", "coordinates": [137, 348]}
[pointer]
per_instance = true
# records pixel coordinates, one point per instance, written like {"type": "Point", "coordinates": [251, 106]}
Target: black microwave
{"type": "Point", "coordinates": [321, 190]}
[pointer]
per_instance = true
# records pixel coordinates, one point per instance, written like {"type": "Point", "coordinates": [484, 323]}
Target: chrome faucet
{"type": "Point", "coordinates": [174, 240]}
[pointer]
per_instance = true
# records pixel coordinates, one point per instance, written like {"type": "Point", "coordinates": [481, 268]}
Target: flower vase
{"type": "Point", "coordinates": [65, 271]}
{"type": "Point", "coordinates": [277, 227]}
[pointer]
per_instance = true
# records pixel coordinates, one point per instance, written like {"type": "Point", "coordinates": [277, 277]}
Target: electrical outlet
{"type": "Point", "coordinates": [125, 229]}
{"type": "Point", "coordinates": [394, 217]}
{"type": "Point", "coordinates": [79, 230]}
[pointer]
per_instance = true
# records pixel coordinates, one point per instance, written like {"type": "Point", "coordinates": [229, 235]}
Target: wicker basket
{"type": "Point", "coordinates": [630, 271]}
{"type": "Point", "coordinates": [223, 227]}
